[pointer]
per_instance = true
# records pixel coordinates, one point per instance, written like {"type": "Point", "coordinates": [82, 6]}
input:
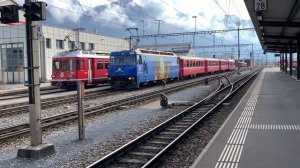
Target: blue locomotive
{"type": "Point", "coordinates": [132, 68]}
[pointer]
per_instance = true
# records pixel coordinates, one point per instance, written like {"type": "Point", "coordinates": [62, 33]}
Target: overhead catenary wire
{"type": "Point", "coordinates": [122, 5]}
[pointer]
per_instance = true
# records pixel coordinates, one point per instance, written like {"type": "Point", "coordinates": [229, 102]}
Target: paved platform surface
{"type": "Point", "coordinates": [263, 131]}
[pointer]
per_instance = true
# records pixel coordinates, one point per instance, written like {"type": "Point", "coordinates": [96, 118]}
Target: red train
{"type": "Point", "coordinates": [87, 66]}
{"type": "Point", "coordinates": [192, 66]}
{"type": "Point", "coordinates": [243, 64]}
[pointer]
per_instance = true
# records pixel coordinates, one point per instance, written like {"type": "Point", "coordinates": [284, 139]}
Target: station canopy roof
{"type": "Point", "coordinates": [277, 23]}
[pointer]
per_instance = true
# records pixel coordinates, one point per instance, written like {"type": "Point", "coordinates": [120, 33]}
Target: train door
{"type": "Point", "coordinates": [145, 69]}
{"type": "Point", "coordinates": [100, 70]}
{"type": "Point", "coordinates": [140, 69]}
{"type": "Point", "coordinates": [90, 71]}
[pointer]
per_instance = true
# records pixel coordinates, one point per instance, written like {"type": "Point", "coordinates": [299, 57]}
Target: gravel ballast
{"type": "Point", "coordinates": [104, 134]}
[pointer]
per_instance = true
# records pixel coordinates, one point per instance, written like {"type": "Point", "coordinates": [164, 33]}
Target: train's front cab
{"type": "Point", "coordinates": [123, 69]}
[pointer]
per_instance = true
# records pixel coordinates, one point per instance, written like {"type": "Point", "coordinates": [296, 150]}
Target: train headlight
{"type": "Point", "coordinates": [52, 76]}
{"type": "Point", "coordinates": [131, 78]}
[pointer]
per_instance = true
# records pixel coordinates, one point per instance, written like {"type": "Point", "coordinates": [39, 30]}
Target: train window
{"type": "Point", "coordinates": [187, 63]}
{"type": "Point", "coordinates": [56, 65]}
{"type": "Point", "coordinates": [140, 61]}
{"type": "Point", "coordinates": [69, 65]}
{"type": "Point", "coordinates": [66, 65]}
{"type": "Point", "coordinates": [80, 65]}
{"type": "Point", "coordinates": [99, 64]}
{"type": "Point", "coordinates": [125, 60]}
{"type": "Point", "coordinates": [106, 64]}
{"type": "Point", "coordinates": [73, 65]}
{"type": "Point", "coordinates": [112, 60]}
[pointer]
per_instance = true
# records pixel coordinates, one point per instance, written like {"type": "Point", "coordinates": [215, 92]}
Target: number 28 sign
{"type": "Point", "coordinates": [260, 5]}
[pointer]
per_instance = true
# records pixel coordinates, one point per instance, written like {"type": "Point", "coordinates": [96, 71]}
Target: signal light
{"type": "Point", "coordinates": [9, 14]}
{"type": "Point", "coordinates": [35, 11]}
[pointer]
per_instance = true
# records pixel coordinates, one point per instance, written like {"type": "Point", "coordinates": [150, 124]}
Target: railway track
{"type": "Point", "coordinates": [147, 149]}
{"type": "Point", "coordinates": [52, 102]}
{"type": "Point", "coordinates": [23, 93]}
{"type": "Point", "coordinates": [15, 95]}
{"type": "Point", "coordinates": [6, 133]}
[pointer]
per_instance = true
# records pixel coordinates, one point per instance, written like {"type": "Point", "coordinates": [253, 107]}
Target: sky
{"type": "Point", "coordinates": [112, 17]}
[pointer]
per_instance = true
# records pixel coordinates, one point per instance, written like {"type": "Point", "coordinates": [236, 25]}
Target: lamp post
{"type": "Point", "coordinates": [238, 23]}
{"type": "Point", "coordinates": [194, 45]}
{"type": "Point", "coordinates": [143, 26]}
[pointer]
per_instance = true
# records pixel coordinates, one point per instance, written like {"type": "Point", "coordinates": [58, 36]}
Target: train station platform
{"type": "Point", "coordinates": [263, 130]}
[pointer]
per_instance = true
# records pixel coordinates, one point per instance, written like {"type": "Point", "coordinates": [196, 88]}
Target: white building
{"type": "Point", "coordinates": [13, 47]}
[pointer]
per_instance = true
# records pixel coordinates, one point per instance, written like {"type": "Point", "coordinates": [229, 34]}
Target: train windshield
{"type": "Point", "coordinates": [56, 65]}
{"type": "Point", "coordinates": [68, 65]}
{"type": "Point", "coordinates": [123, 60]}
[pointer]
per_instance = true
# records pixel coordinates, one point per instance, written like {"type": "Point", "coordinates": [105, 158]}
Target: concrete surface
{"type": "Point", "coordinates": [263, 131]}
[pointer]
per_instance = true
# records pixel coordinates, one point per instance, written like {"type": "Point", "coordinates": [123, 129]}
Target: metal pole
{"type": "Point", "coordinates": [81, 121]}
{"type": "Point", "coordinates": [298, 59]}
{"type": "Point", "coordinates": [252, 57]}
{"type": "Point", "coordinates": [158, 31]}
{"type": "Point", "coordinates": [130, 43]}
{"type": "Point", "coordinates": [33, 84]}
{"type": "Point", "coordinates": [280, 61]}
{"type": "Point", "coordinates": [291, 61]}
{"type": "Point", "coordinates": [286, 62]}
{"type": "Point", "coordinates": [266, 60]}
{"type": "Point", "coordinates": [194, 41]}
{"type": "Point", "coordinates": [143, 26]}
{"type": "Point", "coordinates": [238, 47]}
{"type": "Point", "coordinates": [77, 37]}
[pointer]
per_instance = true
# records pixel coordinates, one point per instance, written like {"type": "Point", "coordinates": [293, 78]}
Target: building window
{"type": "Point", "coordinates": [12, 57]}
{"type": "Point", "coordinates": [48, 43]}
{"type": "Point", "coordinates": [71, 45]}
{"type": "Point", "coordinates": [59, 44]}
{"type": "Point", "coordinates": [82, 46]}
{"type": "Point", "coordinates": [91, 46]}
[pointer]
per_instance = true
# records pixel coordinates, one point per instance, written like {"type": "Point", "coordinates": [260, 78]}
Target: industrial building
{"type": "Point", "coordinates": [52, 40]}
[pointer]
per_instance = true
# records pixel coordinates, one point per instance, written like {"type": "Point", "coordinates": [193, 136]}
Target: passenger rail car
{"type": "Point", "coordinates": [224, 65]}
{"type": "Point", "coordinates": [243, 64]}
{"type": "Point", "coordinates": [191, 66]}
{"type": "Point", "coordinates": [231, 65]}
{"type": "Point", "coordinates": [132, 68]}
{"type": "Point", "coordinates": [212, 65]}
{"type": "Point", "coordinates": [78, 65]}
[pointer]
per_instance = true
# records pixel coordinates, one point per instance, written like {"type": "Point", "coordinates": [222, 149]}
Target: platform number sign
{"type": "Point", "coordinates": [260, 5]}
{"type": "Point", "coordinates": [38, 30]}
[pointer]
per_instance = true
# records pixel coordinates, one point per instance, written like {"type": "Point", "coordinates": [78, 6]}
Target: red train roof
{"type": "Point", "coordinates": [82, 53]}
{"type": "Point", "coordinates": [192, 58]}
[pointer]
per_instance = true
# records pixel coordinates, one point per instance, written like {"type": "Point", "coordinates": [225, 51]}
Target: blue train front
{"type": "Point", "coordinates": [132, 68]}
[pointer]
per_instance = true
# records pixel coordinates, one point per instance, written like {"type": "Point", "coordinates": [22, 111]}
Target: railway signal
{"type": "Point", "coordinates": [35, 11]}
{"type": "Point", "coordinates": [9, 14]}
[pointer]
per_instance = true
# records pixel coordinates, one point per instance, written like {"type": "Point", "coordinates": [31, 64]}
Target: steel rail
{"type": "Point", "coordinates": [52, 102]}
{"type": "Point", "coordinates": [20, 129]}
{"type": "Point", "coordinates": [126, 148]}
